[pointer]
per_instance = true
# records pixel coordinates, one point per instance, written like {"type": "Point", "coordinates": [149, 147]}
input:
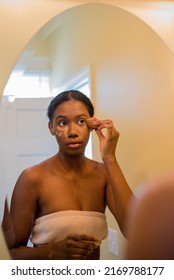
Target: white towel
{"type": "Point", "coordinates": [56, 226]}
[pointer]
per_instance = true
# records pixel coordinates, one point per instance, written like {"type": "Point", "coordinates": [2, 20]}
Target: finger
{"type": "Point", "coordinates": [110, 130]}
{"type": "Point", "coordinates": [77, 257]}
{"type": "Point", "coordinates": [100, 134]}
{"type": "Point", "coordinates": [105, 124]}
{"type": "Point", "coordinates": [86, 237]}
{"type": "Point", "coordinates": [80, 248]}
{"type": "Point", "coordinates": [82, 242]}
{"type": "Point", "coordinates": [81, 237]}
{"type": "Point", "coordinates": [104, 132]}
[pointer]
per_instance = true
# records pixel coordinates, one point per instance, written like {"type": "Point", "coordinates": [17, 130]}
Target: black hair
{"type": "Point", "coordinates": [66, 96]}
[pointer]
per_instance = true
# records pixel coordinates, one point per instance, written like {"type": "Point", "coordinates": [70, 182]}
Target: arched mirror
{"type": "Point", "coordinates": [129, 70]}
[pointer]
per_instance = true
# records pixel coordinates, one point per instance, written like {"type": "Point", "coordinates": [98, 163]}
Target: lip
{"type": "Point", "coordinates": [74, 145]}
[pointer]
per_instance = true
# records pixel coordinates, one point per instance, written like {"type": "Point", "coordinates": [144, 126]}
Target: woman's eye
{"type": "Point", "coordinates": [62, 123]}
{"type": "Point", "coordinates": [81, 121]}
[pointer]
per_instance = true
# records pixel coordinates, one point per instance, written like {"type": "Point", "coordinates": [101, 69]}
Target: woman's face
{"type": "Point", "coordinates": [70, 128]}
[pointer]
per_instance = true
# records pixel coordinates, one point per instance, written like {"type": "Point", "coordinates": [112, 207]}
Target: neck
{"type": "Point", "coordinates": [71, 162]}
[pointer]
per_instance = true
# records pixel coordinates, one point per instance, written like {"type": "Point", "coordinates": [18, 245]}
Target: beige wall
{"type": "Point", "coordinates": [134, 86]}
{"type": "Point", "coordinates": [132, 70]}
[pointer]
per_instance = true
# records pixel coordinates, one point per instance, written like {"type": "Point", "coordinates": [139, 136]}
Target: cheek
{"type": "Point", "coordinates": [61, 132]}
{"type": "Point", "coordinates": [85, 131]}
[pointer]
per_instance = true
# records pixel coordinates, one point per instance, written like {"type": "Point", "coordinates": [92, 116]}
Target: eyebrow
{"type": "Point", "coordinates": [82, 115]}
{"type": "Point", "coordinates": [65, 117]}
{"type": "Point", "coordinates": [61, 117]}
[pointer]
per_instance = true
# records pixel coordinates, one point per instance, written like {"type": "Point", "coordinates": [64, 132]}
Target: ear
{"type": "Point", "coordinates": [50, 126]}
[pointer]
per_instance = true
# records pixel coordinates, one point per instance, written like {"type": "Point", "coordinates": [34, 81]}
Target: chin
{"type": "Point", "coordinates": [75, 153]}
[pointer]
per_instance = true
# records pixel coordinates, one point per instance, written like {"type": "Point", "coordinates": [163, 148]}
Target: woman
{"type": "Point", "coordinates": [62, 200]}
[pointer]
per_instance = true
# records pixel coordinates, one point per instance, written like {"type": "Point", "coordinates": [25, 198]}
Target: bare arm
{"type": "Point", "coordinates": [117, 184]}
{"type": "Point", "coordinates": [23, 212]}
{"type": "Point", "coordinates": [73, 247]}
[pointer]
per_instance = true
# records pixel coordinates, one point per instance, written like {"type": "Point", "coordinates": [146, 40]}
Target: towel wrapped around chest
{"type": "Point", "coordinates": [56, 226]}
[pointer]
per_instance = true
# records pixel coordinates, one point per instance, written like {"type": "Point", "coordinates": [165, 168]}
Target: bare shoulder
{"type": "Point", "coordinates": [32, 177]}
{"type": "Point", "coordinates": [98, 166]}
{"type": "Point", "coordinates": [36, 173]}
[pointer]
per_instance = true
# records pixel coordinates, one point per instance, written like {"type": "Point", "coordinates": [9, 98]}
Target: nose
{"type": "Point", "coordinates": [72, 130]}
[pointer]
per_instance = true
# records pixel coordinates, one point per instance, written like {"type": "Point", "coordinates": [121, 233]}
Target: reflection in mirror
{"type": "Point", "coordinates": [127, 76]}
{"type": "Point", "coordinates": [7, 226]}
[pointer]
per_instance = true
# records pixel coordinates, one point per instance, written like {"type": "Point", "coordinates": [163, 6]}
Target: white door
{"type": "Point", "coordinates": [24, 139]}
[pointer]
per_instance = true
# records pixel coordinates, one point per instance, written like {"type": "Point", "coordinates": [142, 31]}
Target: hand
{"type": "Point", "coordinates": [92, 123]}
{"type": "Point", "coordinates": [108, 141]}
{"type": "Point", "coordinates": [75, 246]}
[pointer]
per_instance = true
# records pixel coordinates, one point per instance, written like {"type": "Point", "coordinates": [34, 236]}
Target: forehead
{"type": "Point", "coordinates": [71, 108]}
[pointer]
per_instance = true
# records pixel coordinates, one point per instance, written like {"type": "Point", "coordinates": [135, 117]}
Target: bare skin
{"type": "Point", "coordinates": [70, 181]}
{"type": "Point", "coordinates": [150, 224]}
